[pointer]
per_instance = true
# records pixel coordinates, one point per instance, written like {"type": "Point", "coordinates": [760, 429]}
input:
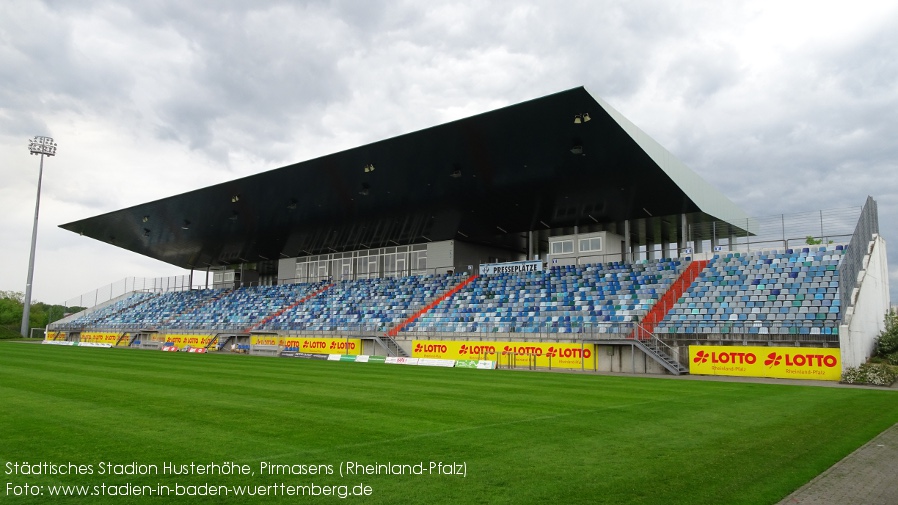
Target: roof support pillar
{"type": "Point", "coordinates": [648, 231]}
{"type": "Point", "coordinates": [681, 245]}
{"type": "Point", "coordinates": [665, 239]}
{"type": "Point", "coordinates": [530, 245]}
{"type": "Point", "coordinates": [628, 253]}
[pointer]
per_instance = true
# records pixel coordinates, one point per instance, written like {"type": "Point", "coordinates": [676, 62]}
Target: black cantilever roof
{"type": "Point", "coordinates": [487, 178]}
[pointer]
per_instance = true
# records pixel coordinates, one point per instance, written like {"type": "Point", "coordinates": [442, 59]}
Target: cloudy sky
{"type": "Point", "coordinates": [786, 107]}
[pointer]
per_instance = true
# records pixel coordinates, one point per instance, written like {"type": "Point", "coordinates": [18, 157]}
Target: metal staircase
{"type": "Point", "coordinates": [662, 353]}
{"type": "Point", "coordinates": [217, 343]}
{"type": "Point", "coordinates": [121, 337]}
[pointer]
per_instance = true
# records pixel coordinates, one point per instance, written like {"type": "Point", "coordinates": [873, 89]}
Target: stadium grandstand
{"type": "Point", "coordinates": [551, 233]}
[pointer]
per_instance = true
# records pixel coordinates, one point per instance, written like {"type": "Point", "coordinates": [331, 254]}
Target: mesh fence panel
{"type": "Point", "coordinates": [852, 261]}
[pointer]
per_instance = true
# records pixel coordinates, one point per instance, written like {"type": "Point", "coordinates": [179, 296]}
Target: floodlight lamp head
{"type": "Point", "coordinates": [42, 145]}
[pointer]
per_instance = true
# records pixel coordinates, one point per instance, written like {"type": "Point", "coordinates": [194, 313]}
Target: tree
{"type": "Point", "coordinates": [13, 295]}
{"type": "Point", "coordinates": [10, 313]}
{"type": "Point", "coordinates": [887, 342]}
{"type": "Point", "coordinates": [809, 240]}
{"type": "Point", "coordinates": [41, 314]}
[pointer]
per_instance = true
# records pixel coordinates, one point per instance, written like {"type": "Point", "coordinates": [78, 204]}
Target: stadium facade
{"type": "Point", "coordinates": [554, 228]}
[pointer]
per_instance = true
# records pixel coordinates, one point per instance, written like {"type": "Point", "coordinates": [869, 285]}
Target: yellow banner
{"type": "Point", "coordinates": [778, 362]}
{"type": "Point", "coordinates": [56, 336]}
{"type": "Point", "coordinates": [265, 340]}
{"type": "Point", "coordinates": [181, 340]}
{"type": "Point", "coordinates": [518, 353]}
{"type": "Point", "coordinates": [325, 345]}
{"type": "Point", "coordinates": [100, 337]}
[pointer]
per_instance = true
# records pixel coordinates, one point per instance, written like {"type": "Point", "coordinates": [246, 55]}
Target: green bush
{"type": "Point", "coordinates": [8, 331]}
{"type": "Point", "coordinates": [887, 342]}
{"type": "Point", "coordinates": [877, 374]}
{"type": "Point", "coordinates": [892, 359]}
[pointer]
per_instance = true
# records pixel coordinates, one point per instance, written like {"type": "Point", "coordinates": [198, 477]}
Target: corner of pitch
{"type": "Point", "coordinates": [440, 468]}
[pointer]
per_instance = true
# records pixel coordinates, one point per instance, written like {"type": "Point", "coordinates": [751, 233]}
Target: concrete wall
{"type": "Point", "coordinates": [473, 255]}
{"type": "Point", "coordinates": [611, 249]}
{"type": "Point", "coordinates": [286, 270]}
{"type": "Point", "coordinates": [626, 359]}
{"type": "Point", "coordinates": [440, 256]}
{"type": "Point", "coordinates": [864, 320]}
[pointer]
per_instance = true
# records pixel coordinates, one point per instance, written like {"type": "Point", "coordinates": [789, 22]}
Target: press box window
{"type": "Point", "coordinates": [563, 247]}
{"type": "Point", "coordinates": [590, 244]}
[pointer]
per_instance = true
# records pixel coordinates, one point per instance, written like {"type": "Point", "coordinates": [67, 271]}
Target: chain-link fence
{"type": "Point", "coordinates": [129, 285]}
{"type": "Point", "coordinates": [853, 260]}
{"type": "Point", "coordinates": [781, 231]}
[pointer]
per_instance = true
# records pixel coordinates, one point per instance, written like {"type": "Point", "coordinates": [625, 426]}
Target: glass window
{"type": "Point", "coordinates": [302, 272]}
{"type": "Point", "coordinates": [563, 247]}
{"type": "Point", "coordinates": [322, 270]}
{"type": "Point", "coordinates": [420, 259]}
{"type": "Point", "coordinates": [591, 244]}
{"type": "Point", "coordinates": [389, 264]}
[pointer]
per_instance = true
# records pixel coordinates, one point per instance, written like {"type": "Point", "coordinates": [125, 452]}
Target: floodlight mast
{"type": "Point", "coordinates": [44, 146]}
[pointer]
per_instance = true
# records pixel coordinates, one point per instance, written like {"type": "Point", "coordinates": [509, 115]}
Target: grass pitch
{"type": "Point", "coordinates": [520, 437]}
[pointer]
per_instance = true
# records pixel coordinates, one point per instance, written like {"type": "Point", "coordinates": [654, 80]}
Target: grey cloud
{"type": "Point", "coordinates": [223, 88]}
{"type": "Point", "coordinates": [43, 70]}
{"type": "Point", "coordinates": [274, 66]}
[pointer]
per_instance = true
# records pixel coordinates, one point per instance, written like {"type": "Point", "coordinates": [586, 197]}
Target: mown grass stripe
{"type": "Point", "coordinates": [526, 437]}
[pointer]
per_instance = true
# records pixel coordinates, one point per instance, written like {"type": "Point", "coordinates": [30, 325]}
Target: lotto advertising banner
{"type": "Point", "coordinates": [55, 336]}
{"type": "Point", "coordinates": [266, 340]}
{"type": "Point", "coordinates": [325, 345]}
{"type": "Point", "coordinates": [182, 341]}
{"type": "Point", "coordinates": [776, 362]}
{"type": "Point", "coordinates": [521, 353]}
{"type": "Point", "coordinates": [97, 337]}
